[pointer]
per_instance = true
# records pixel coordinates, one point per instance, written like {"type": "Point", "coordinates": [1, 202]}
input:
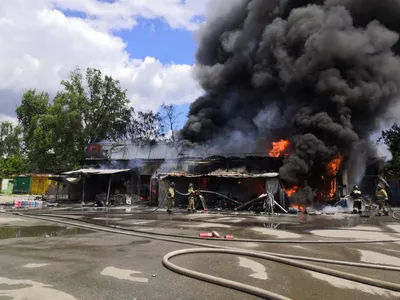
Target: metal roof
{"type": "Point", "coordinates": [96, 171]}
{"type": "Point", "coordinates": [223, 174]}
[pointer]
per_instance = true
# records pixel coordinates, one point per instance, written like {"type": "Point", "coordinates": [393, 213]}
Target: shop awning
{"type": "Point", "coordinates": [223, 174]}
{"type": "Point", "coordinates": [96, 171]}
{"type": "Point", "coordinates": [64, 179]}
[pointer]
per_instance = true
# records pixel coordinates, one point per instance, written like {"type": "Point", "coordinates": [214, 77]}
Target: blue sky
{"type": "Point", "coordinates": [157, 39]}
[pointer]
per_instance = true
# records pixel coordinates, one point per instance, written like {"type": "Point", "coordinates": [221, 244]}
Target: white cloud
{"type": "Point", "coordinates": [41, 45]}
{"type": "Point", "coordinates": [5, 118]}
{"type": "Point", "coordinates": [122, 14]}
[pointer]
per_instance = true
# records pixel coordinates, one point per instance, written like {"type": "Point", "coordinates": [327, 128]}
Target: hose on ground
{"type": "Point", "coordinates": [257, 291]}
{"type": "Point", "coordinates": [280, 241]}
{"type": "Point", "coordinates": [395, 215]}
{"type": "Point", "coordinates": [146, 212]}
{"type": "Point", "coordinates": [208, 248]}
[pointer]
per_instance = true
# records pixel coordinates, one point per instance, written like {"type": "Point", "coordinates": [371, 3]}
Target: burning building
{"type": "Point", "coordinates": [309, 80]}
{"type": "Point", "coordinates": [226, 181]}
{"type": "Point", "coordinates": [303, 81]}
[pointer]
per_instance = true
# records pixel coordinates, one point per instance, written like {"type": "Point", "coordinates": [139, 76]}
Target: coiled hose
{"type": "Point", "coordinates": [291, 260]}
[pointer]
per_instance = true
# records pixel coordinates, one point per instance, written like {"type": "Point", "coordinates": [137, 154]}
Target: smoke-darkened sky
{"type": "Point", "coordinates": [327, 72]}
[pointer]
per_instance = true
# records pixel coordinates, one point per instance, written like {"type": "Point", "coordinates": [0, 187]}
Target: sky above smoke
{"type": "Point", "coordinates": [328, 72]}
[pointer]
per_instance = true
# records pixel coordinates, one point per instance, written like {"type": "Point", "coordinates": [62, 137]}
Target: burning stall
{"type": "Point", "coordinates": [224, 189]}
{"type": "Point", "coordinates": [320, 185]}
{"type": "Point", "coordinates": [227, 182]}
{"type": "Point", "coordinates": [325, 179]}
{"type": "Point", "coordinates": [104, 186]}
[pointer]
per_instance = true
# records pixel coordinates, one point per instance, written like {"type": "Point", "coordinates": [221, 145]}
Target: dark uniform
{"type": "Point", "coordinates": [356, 194]}
{"type": "Point", "coordinates": [382, 198]}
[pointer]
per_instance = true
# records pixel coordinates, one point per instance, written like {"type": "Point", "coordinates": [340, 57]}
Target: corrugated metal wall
{"type": "Point", "coordinates": [33, 184]}
{"type": "Point", "coordinates": [22, 185]}
{"type": "Point", "coordinates": [40, 184]}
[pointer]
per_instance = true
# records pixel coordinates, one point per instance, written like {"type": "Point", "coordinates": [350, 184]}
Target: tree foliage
{"type": "Point", "coordinates": [391, 138]}
{"type": "Point", "coordinates": [11, 159]}
{"type": "Point", "coordinates": [53, 133]}
{"type": "Point", "coordinates": [89, 108]}
{"type": "Point", "coordinates": [13, 165]}
{"type": "Point", "coordinates": [33, 106]}
{"type": "Point", "coordinates": [99, 102]}
{"type": "Point", "coordinates": [9, 139]}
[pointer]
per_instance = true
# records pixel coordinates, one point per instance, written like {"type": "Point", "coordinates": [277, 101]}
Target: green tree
{"type": "Point", "coordinates": [11, 159]}
{"type": "Point", "coordinates": [88, 109]}
{"type": "Point", "coordinates": [9, 139]}
{"type": "Point", "coordinates": [391, 138]}
{"type": "Point", "coordinates": [13, 165]}
{"type": "Point", "coordinates": [33, 106]}
{"type": "Point", "coordinates": [100, 102]}
{"type": "Point", "coordinates": [32, 115]}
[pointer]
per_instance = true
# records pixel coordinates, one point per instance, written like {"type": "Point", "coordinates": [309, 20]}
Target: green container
{"type": "Point", "coordinates": [22, 185]}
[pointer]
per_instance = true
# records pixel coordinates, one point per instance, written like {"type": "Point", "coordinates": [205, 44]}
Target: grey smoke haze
{"type": "Point", "coordinates": [326, 71]}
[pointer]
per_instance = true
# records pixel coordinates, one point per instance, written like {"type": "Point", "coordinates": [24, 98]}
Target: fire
{"type": "Point", "coordinates": [333, 168]}
{"type": "Point", "coordinates": [278, 148]}
{"type": "Point", "coordinates": [334, 165]}
{"type": "Point", "coordinates": [292, 190]}
{"type": "Point", "coordinates": [299, 207]}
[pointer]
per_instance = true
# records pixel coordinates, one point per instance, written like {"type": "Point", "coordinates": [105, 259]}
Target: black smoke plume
{"type": "Point", "coordinates": [320, 73]}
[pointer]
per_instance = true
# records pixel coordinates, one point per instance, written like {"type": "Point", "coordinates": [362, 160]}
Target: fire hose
{"type": "Point", "coordinates": [209, 192]}
{"type": "Point", "coordinates": [395, 215]}
{"type": "Point", "coordinates": [251, 202]}
{"type": "Point", "coordinates": [290, 260]}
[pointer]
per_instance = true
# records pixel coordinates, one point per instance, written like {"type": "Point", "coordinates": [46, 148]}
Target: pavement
{"type": "Point", "coordinates": [45, 260]}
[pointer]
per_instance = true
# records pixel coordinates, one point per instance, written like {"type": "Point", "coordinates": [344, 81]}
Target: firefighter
{"type": "Point", "coordinates": [382, 198]}
{"type": "Point", "coordinates": [191, 198]}
{"type": "Point", "coordinates": [171, 197]}
{"type": "Point", "coordinates": [356, 194]}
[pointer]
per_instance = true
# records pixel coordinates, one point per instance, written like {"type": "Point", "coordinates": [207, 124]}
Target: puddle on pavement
{"type": "Point", "coordinates": [8, 232]}
{"type": "Point", "coordinates": [309, 223]}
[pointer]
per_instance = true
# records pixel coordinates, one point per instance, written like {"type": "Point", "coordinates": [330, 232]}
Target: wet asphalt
{"type": "Point", "coordinates": [45, 260]}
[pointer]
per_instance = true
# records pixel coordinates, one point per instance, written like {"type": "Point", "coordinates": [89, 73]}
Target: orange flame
{"type": "Point", "coordinates": [334, 165]}
{"type": "Point", "coordinates": [292, 190]}
{"type": "Point", "coordinates": [332, 169]}
{"type": "Point", "coordinates": [278, 148]}
{"type": "Point", "coordinates": [299, 207]}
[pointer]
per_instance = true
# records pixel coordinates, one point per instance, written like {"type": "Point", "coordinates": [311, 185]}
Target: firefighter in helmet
{"type": "Point", "coordinates": [356, 194]}
{"type": "Point", "coordinates": [171, 197]}
{"type": "Point", "coordinates": [191, 198]}
{"type": "Point", "coordinates": [382, 198]}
